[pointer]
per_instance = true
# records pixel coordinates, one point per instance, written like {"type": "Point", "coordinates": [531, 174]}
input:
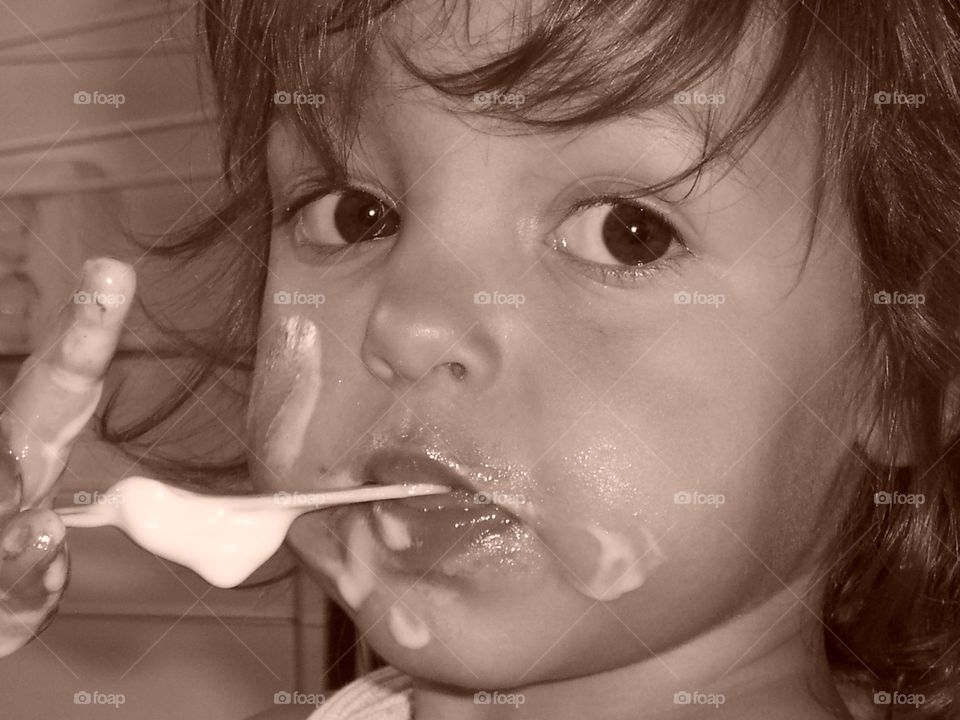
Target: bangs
{"type": "Point", "coordinates": [574, 64]}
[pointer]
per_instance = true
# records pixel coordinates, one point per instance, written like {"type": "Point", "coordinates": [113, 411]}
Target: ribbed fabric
{"type": "Point", "coordinates": [382, 695]}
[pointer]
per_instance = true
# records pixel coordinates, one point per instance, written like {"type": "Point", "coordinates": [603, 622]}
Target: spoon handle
{"type": "Point", "coordinates": [331, 498]}
{"type": "Point", "coordinates": [85, 516]}
{"type": "Point", "coordinates": [369, 493]}
{"type": "Point", "coordinates": [102, 514]}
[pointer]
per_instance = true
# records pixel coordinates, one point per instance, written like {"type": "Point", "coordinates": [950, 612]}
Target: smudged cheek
{"type": "Point", "coordinates": [626, 540]}
{"type": "Point", "coordinates": [594, 506]}
{"type": "Point", "coordinates": [284, 398]}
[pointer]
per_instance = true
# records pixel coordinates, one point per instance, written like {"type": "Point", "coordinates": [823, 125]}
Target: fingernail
{"type": "Point", "coordinates": [39, 531]}
{"type": "Point", "coordinates": [31, 581]}
{"type": "Point", "coordinates": [106, 287]}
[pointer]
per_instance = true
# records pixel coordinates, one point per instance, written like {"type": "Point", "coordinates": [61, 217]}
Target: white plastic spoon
{"type": "Point", "coordinates": [223, 538]}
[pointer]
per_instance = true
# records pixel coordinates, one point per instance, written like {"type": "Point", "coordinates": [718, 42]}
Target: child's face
{"type": "Point", "coordinates": [594, 410]}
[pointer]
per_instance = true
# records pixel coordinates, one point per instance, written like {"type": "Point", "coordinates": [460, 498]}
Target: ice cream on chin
{"type": "Point", "coordinates": [407, 629]}
{"type": "Point", "coordinates": [446, 539]}
{"type": "Point", "coordinates": [355, 577]}
{"type": "Point", "coordinates": [453, 535]}
{"type": "Point", "coordinates": [600, 564]}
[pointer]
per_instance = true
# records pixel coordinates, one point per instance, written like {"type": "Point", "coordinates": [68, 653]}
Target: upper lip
{"type": "Point", "coordinates": [398, 465]}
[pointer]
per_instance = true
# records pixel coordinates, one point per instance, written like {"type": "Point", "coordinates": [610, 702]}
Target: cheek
{"type": "Point", "coordinates": [710, 454]}
{"type": "Point", "coordinates": [712, 461]}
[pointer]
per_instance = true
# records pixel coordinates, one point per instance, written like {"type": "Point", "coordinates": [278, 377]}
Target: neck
{"type": "Point", "coordinates": [764, 663]}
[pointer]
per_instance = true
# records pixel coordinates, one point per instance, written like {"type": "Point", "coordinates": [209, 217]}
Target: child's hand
{"type": "Point", "coordinates": [55, 394]}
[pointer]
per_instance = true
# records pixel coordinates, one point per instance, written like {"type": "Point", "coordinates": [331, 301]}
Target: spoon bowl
{"type": "Point", "coordinates": [223, 538]}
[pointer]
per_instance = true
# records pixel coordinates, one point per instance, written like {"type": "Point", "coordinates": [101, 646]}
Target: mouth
{"type": "Point", "coordinates": [452, 533]}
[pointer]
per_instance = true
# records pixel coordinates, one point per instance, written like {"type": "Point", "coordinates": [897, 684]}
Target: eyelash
{"type": "Point", "coordinates": [624, 275]}
{"type": "Point", "coordinates": [301, 198]}
{"type": "Point", "coordinates": [613, 275]}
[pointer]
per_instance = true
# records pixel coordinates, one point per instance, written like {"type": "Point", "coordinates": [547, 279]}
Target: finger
{"type": "Point", "coordinates": [10, 482]}
{"type": "Point", "coordinates": [58, 388]}
{"type": "Point", "coordinates": [33, 574]}
{"type": "Point", "coordinates": [32, 559]}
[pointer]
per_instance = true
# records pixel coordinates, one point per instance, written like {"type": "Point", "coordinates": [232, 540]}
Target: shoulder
{"type": "Point", "coordinates": [284, 713]}
{"type": "Point", "coordinates": [383, 694]}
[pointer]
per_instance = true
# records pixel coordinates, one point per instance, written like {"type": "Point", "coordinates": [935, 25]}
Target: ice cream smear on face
{"type": "Point", "coordinates": [298, 348]}
{"type": "Point", "coordinates": [393, 530]}
{"type": "Point", "coordinates": [407, 629]}
{"type": "Point", "coordinates": [356, 579]}
{"type": "Point", "coordinates": [600, 563]}
{"type": "Point", "coordinates": [618, 566]}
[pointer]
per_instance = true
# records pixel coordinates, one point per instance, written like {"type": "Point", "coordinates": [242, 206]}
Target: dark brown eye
{"type": "Point", "coordinates": [633, 235]}
{"type": "Point", "coordinates": [618, 241]}
{"type": "Point", "coordinates": [360, 216]}
{"type": "Point", "coordinates": [345, 218]}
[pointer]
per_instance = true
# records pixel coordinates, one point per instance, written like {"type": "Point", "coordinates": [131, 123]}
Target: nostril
{"type": "Point", "coordinates": [458, 370]}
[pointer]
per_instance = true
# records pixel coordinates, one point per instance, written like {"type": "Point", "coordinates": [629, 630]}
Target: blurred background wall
{"type": "Point", "coordinates": [105, 128]}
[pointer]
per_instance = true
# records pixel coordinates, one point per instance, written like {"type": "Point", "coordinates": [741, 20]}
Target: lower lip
{"type": "Point", "coordinates": [446, 534]}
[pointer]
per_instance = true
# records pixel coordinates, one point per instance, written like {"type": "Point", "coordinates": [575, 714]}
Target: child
{"type": "Point", "coordinates": [665, 291]}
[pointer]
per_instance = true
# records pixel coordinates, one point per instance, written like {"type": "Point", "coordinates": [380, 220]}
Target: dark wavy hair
{"type": "Point", "coordinates": [892, 603]}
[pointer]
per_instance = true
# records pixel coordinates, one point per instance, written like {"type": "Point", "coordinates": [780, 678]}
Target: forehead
{"type": "Point", "coordinates": [512, 44]}
{"type": "Point", "coordinates": [459, 38]}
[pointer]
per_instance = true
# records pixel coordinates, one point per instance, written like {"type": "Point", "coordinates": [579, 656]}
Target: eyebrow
{"type": "Point", "coordinates": [677, 131]}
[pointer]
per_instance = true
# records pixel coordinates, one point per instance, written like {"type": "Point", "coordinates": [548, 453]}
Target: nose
{"type": "Point", "coordinates": [424, 327]}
